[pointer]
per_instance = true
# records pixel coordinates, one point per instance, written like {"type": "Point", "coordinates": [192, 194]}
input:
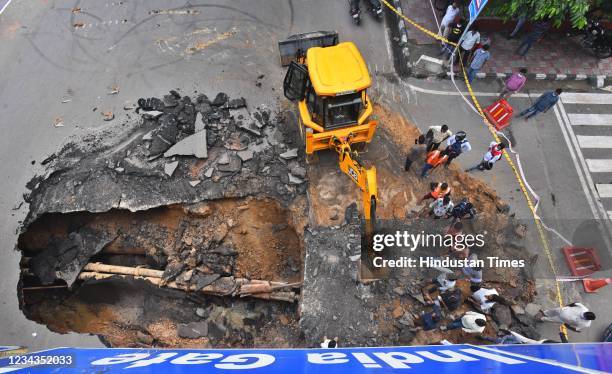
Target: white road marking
{"type": "Point", "coordinates": [576, 156]}
{"type": "Point", "coordinates": [5, 6]}
{"type": "Point", "coordinates": [580, 119]}
{"type": "Point", "coordinates": [594, 141]}
{"type": "Point", "coordinates": [605, 190]}
{"type": "Point", "coordinates": [585, 98]}
{"type": "Point", "coordinates": [599, 165]}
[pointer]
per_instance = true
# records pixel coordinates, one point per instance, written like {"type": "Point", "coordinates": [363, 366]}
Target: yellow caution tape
{"type": "Point", "coordinates": [421, 28]}
{"type": "Point", "coordinates": [493, 132]}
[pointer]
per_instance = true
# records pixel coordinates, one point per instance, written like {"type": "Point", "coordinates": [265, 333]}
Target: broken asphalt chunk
{"type": "Point", "coordinates": [199, 123]}
{"type": "Point", "coordinates": [169, 168]}
{"type": "Point", "coordinates": [295, 180]}
{"type": "Point", "coordinates": [220, 99]}
{"type": "Point", "coordinates": [245, 155]}
{"type": "Point", "coordinates": [194, 145]}
{"type": "Point", "coordinates": [234, 164]}
{"type": "Point", "coordinates": [292, 153]}
{"type": "Point", "coordinates": [248, 129]}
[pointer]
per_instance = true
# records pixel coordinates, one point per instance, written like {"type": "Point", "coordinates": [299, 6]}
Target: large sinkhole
{"type": "Point", "coordinates": [217, 273]}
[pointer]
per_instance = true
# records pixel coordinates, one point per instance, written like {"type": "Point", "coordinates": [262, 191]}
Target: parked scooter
{"type": "Point", "coordinates": [596, 39]}
{"type": "Point", "coordinates": [374, 6]}
{"type": "Point", "coordinates": [355, 11]}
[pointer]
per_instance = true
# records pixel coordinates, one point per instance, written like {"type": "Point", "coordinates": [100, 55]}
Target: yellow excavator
{"type": "Point", "coordinates": [329, 81]}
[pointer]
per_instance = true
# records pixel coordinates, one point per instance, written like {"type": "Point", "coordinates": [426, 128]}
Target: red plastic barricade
{"type": "Point", "coordinates": [499, 114]}
{"type": "Point", "coordinates": [581, 261]}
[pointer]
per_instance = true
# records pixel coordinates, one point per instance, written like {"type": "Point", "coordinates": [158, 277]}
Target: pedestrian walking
{"type": "Point", "coordinates": [574, 316]}
{"type": "Point", "coordinates": [449, 18]}
{"type": "Point", "coordinates": [524, 13]}
{"type": "Point", "coordinates": [453, 37]}
{"type": "Point", "coordinates": [438, 190]}
{"type": "Point", "coordinates": [455, 146]}
{"type": "Point", "coordinates": [436, 135]}
{"type": "Point", "coordinates": [536, 35]}
{"type": "Point", "coordinates": [441, 207]}
{"type": "Point", "coordinates": [481, 56]}
{"type": "Point", "coordinates": [514, 84]}
{"type": "Point", "coordinates": [472, 37]}
{"type": "Point", "coordinates": [546, 101]}
{"type": "Point", "coordinates": [470, 322]}
{"type": "Point", "coordinates": [493, 154]}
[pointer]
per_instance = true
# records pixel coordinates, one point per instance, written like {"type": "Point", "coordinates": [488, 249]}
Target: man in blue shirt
{"type": "Point", "coordinates": [544, 102]}
{"type": "Point", "coordinates": [481, 56]}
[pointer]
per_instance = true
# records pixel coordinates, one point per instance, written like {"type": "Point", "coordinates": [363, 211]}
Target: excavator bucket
{"type": "Point", "coordinates": [294, 48]}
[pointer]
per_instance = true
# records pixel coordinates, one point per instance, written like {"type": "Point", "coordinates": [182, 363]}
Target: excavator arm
{"type": "Point", "coordinates": [364, 178]}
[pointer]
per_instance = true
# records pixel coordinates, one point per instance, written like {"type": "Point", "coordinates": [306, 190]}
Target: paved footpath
{"type": "Point", "coordinates": [556, 57]}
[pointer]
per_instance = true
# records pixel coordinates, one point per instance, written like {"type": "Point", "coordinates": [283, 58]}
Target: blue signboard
{"type": "Point", "coordinates": [456, 359]}
{"type": "Point", "coordinates": [475, 8]}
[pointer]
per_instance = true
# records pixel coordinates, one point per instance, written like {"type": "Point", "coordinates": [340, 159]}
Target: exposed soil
{"type": "Point", "coordinates": [248, 218]}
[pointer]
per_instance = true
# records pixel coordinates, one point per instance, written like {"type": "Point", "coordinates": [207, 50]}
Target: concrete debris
{"type": "Point", "coordinates": [288, 155]}
{"type": "Point", "coordinates": [248, 129]}
{"type": "Point", "coordinates": [234, 165]}
{"type": "Point", "coordinates": [532, 309]}
{"type": "Point", "coordinates": [192, 330]}
{"type": "Point", "coordinates": [245, 155]}
{"type": "Point", "coordinates": [294, 180]}
{"type": "Point", "coordinates": [224, 159]}
{"type": "Point", "coordinates": [220, 99]}
{"type": "Point", "coordinates": [194, 145]}
{"type": "Point", "coordinates": [108, 116]}
{"type": "Point", "coordinates": [195, 183]}
{"type": "Point", "coordinates": [170, 167]}
{"type": "Point", "coordinates": [209, 172]}
{"type": "Point", "coordinates": [199, 123]}
{"type": "Point", "coordinates": [152, 114]}
{"type": "Point", "coordinates": [148, 136]}
{"type": "Point", "coordinates": [298, 171]}
{"type": "Point", "coordinates": [58, 122]}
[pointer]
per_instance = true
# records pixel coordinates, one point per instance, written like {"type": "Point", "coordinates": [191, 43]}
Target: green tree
{"type": "Point", "coordinates": [556, 10]}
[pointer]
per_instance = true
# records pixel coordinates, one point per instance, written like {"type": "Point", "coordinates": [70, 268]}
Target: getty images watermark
{"type": "Point", "coordinates": [454, 243]}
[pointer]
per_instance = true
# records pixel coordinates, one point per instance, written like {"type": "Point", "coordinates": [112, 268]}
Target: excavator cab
{"type": "Point", "coordinates": [329, 82]}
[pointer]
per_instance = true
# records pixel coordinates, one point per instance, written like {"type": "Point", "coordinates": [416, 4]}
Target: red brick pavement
{"type": "Point", "coordinates": [555, 54]}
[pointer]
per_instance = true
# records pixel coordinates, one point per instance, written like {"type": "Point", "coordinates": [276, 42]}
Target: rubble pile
{"type": "Point", "coordinates": [207, 195]}
{"type": "Point", "coordinates": [340, 298]}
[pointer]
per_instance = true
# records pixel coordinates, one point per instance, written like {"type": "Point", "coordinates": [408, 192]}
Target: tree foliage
{"type": "Point", "coordinates": [557, 11]}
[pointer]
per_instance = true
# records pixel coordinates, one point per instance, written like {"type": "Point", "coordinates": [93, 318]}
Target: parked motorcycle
{"type": "Point", "coordinates": [596, 39]}
{"type": "Point", "coordinates": [374, 6]}
{"type": "Point", "coordinates": [355, 11]}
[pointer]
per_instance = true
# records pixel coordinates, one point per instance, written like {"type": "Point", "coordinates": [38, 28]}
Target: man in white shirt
{"type": "Point", "coordinates": [436, 135]}
{"type": "Point", "coordinates": [471, 322]}
{"type": "Point", "coordinates": [574, 316]}
{"type": "Point", "coordinates": [472, 37]}
{"type": "Point", "coordinates": [449, 18]}
{"type": "Point", "coordinates": [484, 299]}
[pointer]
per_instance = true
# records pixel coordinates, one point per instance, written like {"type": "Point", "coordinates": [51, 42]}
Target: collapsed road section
{"type": "Point", "coordinates": [186, 226]}
{"type": "Point", "coordinates": [201, 224]}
